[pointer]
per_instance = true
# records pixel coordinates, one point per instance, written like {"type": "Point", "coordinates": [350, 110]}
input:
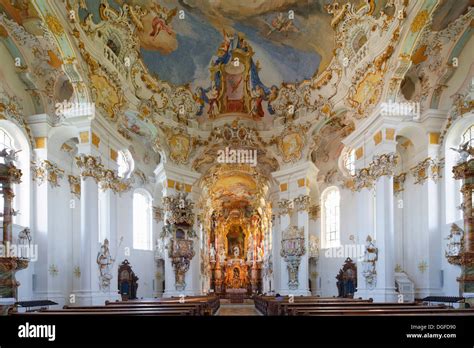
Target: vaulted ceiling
{"type": "Point", "coordinates": [160, 72]}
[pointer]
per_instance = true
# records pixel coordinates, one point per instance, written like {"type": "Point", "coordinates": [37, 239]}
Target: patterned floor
{"type": "Point", "coordinates": [244, 309]}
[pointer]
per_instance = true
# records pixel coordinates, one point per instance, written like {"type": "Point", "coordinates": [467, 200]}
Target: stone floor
{"type": "Point", "coordinates": [241, 309]}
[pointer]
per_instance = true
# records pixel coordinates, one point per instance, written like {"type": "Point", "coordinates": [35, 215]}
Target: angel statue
{"type": "Point", "coordinates": [463, 151]}
{"type": "Point", "coordinates": [9, 155]}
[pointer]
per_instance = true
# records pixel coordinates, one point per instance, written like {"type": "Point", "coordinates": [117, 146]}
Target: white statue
{"type": "Point", "coordinates": [9, 155]}
{"type": "Point", "coordinates": [221, 253]}
{"type": "Point", "coordinates": [24, 237]}
{"type": "Point", "coordinates": [212, 253]}
{"type": "Point", "coordinates": [463, 152]}
{"type": "Point", "coordinates": [370, 259]}
{"type": "Point", "coordinates": [105, 260]}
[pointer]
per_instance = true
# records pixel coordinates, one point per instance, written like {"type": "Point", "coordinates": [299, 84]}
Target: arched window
{"type": "Point", "coordinates": [142, 220]}
{"type": "Point", "coordinates": [330, 202]}
{"type": "Point", "coordinates": [468, 136]}
{"type": "Point", "coordinates": [5, 142]}
{"type": "Point", "coordinates": [349, 162]}
{"type": "Point", "coordinates": [12, 137]}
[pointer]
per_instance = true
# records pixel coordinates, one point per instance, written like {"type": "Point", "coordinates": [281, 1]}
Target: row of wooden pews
{"type": "Point", "coordinates": [187, 306]}
{"type": "Point", "coordinates": [331, 306]}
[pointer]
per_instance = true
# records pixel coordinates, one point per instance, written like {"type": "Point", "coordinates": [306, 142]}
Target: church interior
{"type": "Point", "coordinates": [268, 157]}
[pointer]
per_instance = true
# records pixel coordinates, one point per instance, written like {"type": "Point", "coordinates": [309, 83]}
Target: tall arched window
{"type": "Point", "coordinates": [468, 136]}
{"type": "Point", "coordinates": [330, 202]}
{"type": "Point", "coordinates": [142, 220]}
{"type": "Point", "coordinates": [349, 162]}
{"type": "Point", "coordinates": [12, 137]}
{"type": "Point", "coordinates": [5, 142]}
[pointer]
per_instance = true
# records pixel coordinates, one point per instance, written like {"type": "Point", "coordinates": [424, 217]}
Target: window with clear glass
{"type": "Point", "coordinates": [349, 162]}
{"type": "Point", "coordinates": [331, 217]}
{"type": "Point", "coordinates": [5, 143]}
{"type": "Point", "coordinates": [142, 221]}
{"type": "Point", "coordinates": [468, 136]}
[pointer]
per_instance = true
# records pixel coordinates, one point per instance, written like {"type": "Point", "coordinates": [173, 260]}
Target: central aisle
{"type": "Point", "coordinates": [245, 309]}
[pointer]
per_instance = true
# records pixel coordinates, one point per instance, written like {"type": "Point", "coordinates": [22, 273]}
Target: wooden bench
{"type": "Point", "coordinates": [380, 311]}
{"type": "Point", "coordinates": [196, 305]}
{"type": "Point", "coordinates": [208, 305]}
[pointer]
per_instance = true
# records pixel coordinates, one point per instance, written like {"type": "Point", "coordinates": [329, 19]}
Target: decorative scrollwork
{"type": "Point", "coordinates": [47, 170]}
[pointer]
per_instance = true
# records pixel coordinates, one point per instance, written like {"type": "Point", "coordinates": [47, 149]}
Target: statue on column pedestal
{"type": "Point", "coordinates": [105, 260]}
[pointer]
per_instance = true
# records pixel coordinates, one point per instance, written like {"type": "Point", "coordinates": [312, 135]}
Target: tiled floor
{"type": "Point", "coordinates": [244, 309]}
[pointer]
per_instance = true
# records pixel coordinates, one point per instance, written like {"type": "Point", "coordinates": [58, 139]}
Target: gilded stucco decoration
{"type": "Point", "coordinates": [90, 166]}
{"type": "Point", "coordinates": [75, 185]}
{"type": "Point", "coordinates": [399, 183]}
{"type": "Point", "coordinates": [302, 203]}
{"type": "Point", "coordinates": [291, 142]}
{"type": "Point", "coordinates": [46, 170]}
{"type": "Point", "coordinates": [382, 165]}
{"type": "Point", "coordinates": [428, 168]}
{"type": "Point", "coordinates": [285, 207]}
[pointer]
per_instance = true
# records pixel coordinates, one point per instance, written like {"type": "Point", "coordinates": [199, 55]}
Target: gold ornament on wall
{"type": "Point", "coordinates": [427, 168]}
{"type": "Point", "coordinates": [47, 170]}
{"type": "Point", "coordinates": [314, 212]}
{"type": "Point", "coordinates": [398, 183]}
{"type": "Point", "coordinates": [75, 185]}
{"type": "Point", "coordinates": [422, 266]}
{"type": "Point", "coordinates": [302, 203]}
{"type": "Point", "coordinates": [90, 166]}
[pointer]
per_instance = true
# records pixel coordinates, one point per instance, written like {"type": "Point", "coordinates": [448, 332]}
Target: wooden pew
{"type": "Point", "coordinates": [208, 304]}
{"type": "Point", "coordinates": [271, 306]}
{"type": "Point", "coordinates": [195, 309]}
{"type": "Point", "coordinates": [108, 313]}
{"type": "Point", "coordinates": [196, 305]}
{"type": "Point", "coordinates": [381, 311]}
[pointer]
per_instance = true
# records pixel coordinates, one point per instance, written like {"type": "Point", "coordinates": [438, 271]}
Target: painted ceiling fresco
{"type": "Point", "coordinates": [183, 42]}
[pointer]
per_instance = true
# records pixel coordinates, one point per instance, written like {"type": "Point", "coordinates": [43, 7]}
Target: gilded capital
{"type": "Point", "coordinates": [285, 207]}
{"type": "Point", "coordinates": [90, 166]}
{"type": "Point", "coordinates": [302, 203]}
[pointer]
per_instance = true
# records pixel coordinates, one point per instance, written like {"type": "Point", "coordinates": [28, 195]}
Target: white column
{"type": "Point", "coordinates": [303, 272]}
{"type": "Point", "coordinates": [384, 240]}
{"type": "Point", "coordinates": [285, 221]}
{"type": "Point", "coordinates": [365, 227]}
{"type": "Point", "coordinates": [89, 284]}
{"type": "Point", "coordinates": [276, 247]}
{"type": "Point", "coordinates": [43, 284]}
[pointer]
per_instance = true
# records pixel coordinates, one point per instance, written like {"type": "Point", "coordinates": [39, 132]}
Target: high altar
{"type": "Point", "coordinates": [237, 251]}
